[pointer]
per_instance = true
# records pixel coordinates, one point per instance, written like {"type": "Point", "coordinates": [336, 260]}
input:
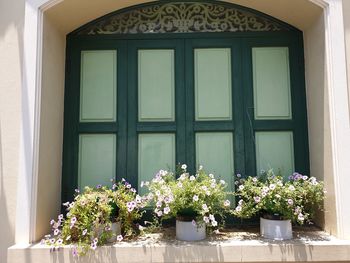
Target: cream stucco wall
{"type": "Point", "coordinates": [346, 11]}
{"type": "Point", "coordinates": [51, 128]}
{"type": "Point", "coordinates": [63, 18]}
{"type": "Point", "coordinates": [11, 31]}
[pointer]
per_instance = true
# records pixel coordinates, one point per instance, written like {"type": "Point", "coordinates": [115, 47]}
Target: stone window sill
{"type": "Point", "coordinates": [307, 246]}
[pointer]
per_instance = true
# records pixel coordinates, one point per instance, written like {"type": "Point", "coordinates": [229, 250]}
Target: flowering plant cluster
{"type": "Point", "coordinates": [89, 219]}
{"type": "Point", "coordinates": [273, 198]}
{"type": "Point", "coordinates": [199, 198]}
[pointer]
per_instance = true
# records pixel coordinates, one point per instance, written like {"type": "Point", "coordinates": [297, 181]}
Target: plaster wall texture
{"type": "Point", "coordinates": [62, 19]}
{"type": "Point", "coordinates": [11, 36]}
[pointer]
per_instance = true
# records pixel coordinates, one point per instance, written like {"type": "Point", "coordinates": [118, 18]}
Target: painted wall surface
{"type": "Point", "coordinates": [64, 18]}
{"type": "Point", "coordinates": [318, 117]}
{"type": "Point", "coordinates": [346, 14]}
{"type": "Point", "coordinates": [51, 128]}
{"type": "Point", "coordinates": [11, 31]}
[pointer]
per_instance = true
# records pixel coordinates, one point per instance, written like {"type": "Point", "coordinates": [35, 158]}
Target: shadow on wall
{"type": "Point", "coordinates": [11, 58]}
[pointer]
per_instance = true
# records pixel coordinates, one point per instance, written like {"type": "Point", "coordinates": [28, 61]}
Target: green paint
{"type": "Point", "coordinates": [214, 150]}
{"type": "Point", "coordinates": [156, 85]}
{"type": "Point", "coordinates": [272, 96]}
{"type": "Point", "coordinates": [98, 86]}
{"type": "Point", "coordinates": [155, 152]}
{"type": "Point", "coordinates": [275, 150]}
{"type": "Point", "coordinates": [213, 99]}
{"type": "Point", "coordinates": [97, 155]}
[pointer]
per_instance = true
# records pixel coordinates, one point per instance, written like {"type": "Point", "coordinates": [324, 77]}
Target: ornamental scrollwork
{"type": "Point", "coordinates": [182, 17]}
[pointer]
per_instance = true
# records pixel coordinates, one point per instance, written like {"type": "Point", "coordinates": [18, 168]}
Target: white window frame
{"type": "Point", "coordinates": [31, 98]}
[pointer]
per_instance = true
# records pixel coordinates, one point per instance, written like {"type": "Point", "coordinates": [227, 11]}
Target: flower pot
{"type": "Point", "coordinates": [116, 230]}
{"type": "Point", "coordinates": [186, 231]}
{"type": "Point", "coordinates": [276, 229]}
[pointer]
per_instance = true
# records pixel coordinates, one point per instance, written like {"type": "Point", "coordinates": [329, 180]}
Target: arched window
{"type": "Point", "coordinates": [195, 82]}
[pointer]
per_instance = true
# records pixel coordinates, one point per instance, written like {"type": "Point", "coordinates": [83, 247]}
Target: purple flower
{"type": "Point", "coordinates": [93, 246]}
{"type": "Point", "coordinates": [74, 251]}
{"type": "Point", "coordinates": [99, 186]}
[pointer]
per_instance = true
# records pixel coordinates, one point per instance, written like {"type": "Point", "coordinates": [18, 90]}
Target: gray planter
{"type": "Point", "coordinates": [276, 229]}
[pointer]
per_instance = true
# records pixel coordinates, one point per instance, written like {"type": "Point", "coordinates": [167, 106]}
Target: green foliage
{"type": "Point", "coordinates": [296, 199]}
{"type": "Point", "coordinates": [198, 197]}
{"type": "Point", "coordinates": [90, 216]}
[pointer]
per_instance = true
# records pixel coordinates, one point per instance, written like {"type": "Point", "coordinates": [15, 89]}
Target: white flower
{"type": "Point", "coordinates": [222, 182]}
{"type": "Point", "coordinates": [304, 177]}
{"type": "Point", "coordinates": [290, 202]}
{"type": "Point", "coordinates": [227, 203]}
{"type": "Point", "coordinates": [211, 217]}
{"type": "Point", "coordinates": [213, 180]}
{"type": "Point", "coordinates": [179, 184]}
{"type": "Point", "coordinates": [194, 222]}
{"type": "Point", "coordinates": [184, 167]}
{"type": "Point", "coordinates": [265, 189]}
{"type": "Point", "coordinates": [192, 178]}
{"type": "Point", "coordinates": [166, 210]}
{"type": "Point", "coordinates": [204, 188]}
{"type": "Point", "coordinates": [272, 186]}
{"type": "Point", "coordinates": [146, 183]}
{"type": "Point", "coordinates": [211, 176]}
{"type": "Point", "coordinates": [257, 199]}
{"type": "Point", "coordinates": [56, 232]}
{"type": "Point", "coordinates": [119, 238]}
{"type": "Point", "coordinates": [142, 183]}
{"type": "Point", "coordinates": [291, 188]}
{"type": "Point", "coordinates": [159, 204]}
{"type": "Point", "coordinates": [214, 223]}
{"type": "Point", "coordinates": [277, 196]}
{"type": "Point", "coordinates": [254, 179]}
{"type": "Point", "coordinates": [213, 185]}
{"type": "Point", "coordinates": [239, 175]}
{"type": "Point", "coordinates": [241, 187]}
{"type": "Point", "coordinates": [200, 167]}
{"type": "Point", "coordinates": [207, 193]}
{"type": "Point", "coordinates": [263, 194]}
{"type": "Point", "coordinates": [205, 208]}
{"type": "Point", "coordinates": [206, 219]}
{"type": "Point", "coordinates": [240, 202]}
{"type": "Point", "coordinates": [182, 177]}
{"type": "Point", "coordinates": [84, 232]}
{"type": "Point", "coordinates": [301, 217]}
{"type": "Point", "coordinates": [195, 198]}
{"type": "Point", "coordinates": [159, 213]}
{"type": "Point", "coordinates": [138, 199]}
{"type": "Point", "coordinates": [238, 208]}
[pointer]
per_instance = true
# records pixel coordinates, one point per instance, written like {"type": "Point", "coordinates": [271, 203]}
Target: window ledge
{"type": "Point", "coordinates": [315, 246]}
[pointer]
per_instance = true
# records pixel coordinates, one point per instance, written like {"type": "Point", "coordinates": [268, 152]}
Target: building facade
{"type": "Point", "coordinates": [281, 98]}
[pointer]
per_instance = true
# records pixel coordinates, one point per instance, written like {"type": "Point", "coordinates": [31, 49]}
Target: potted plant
{"type": "Point", "coordinates": [196, 201]}
{"type": "Point", "coordinates": [279, 203]}
{"type": "Point", "coordinates": [96, 216]}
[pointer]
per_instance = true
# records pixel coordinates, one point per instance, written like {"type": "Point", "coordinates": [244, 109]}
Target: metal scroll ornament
{"type": "Point", "coordinates": [182, 17]}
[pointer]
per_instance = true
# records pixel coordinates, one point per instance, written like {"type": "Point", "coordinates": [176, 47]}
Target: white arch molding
{"type": "Point", "coordinates": [31, 97]}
